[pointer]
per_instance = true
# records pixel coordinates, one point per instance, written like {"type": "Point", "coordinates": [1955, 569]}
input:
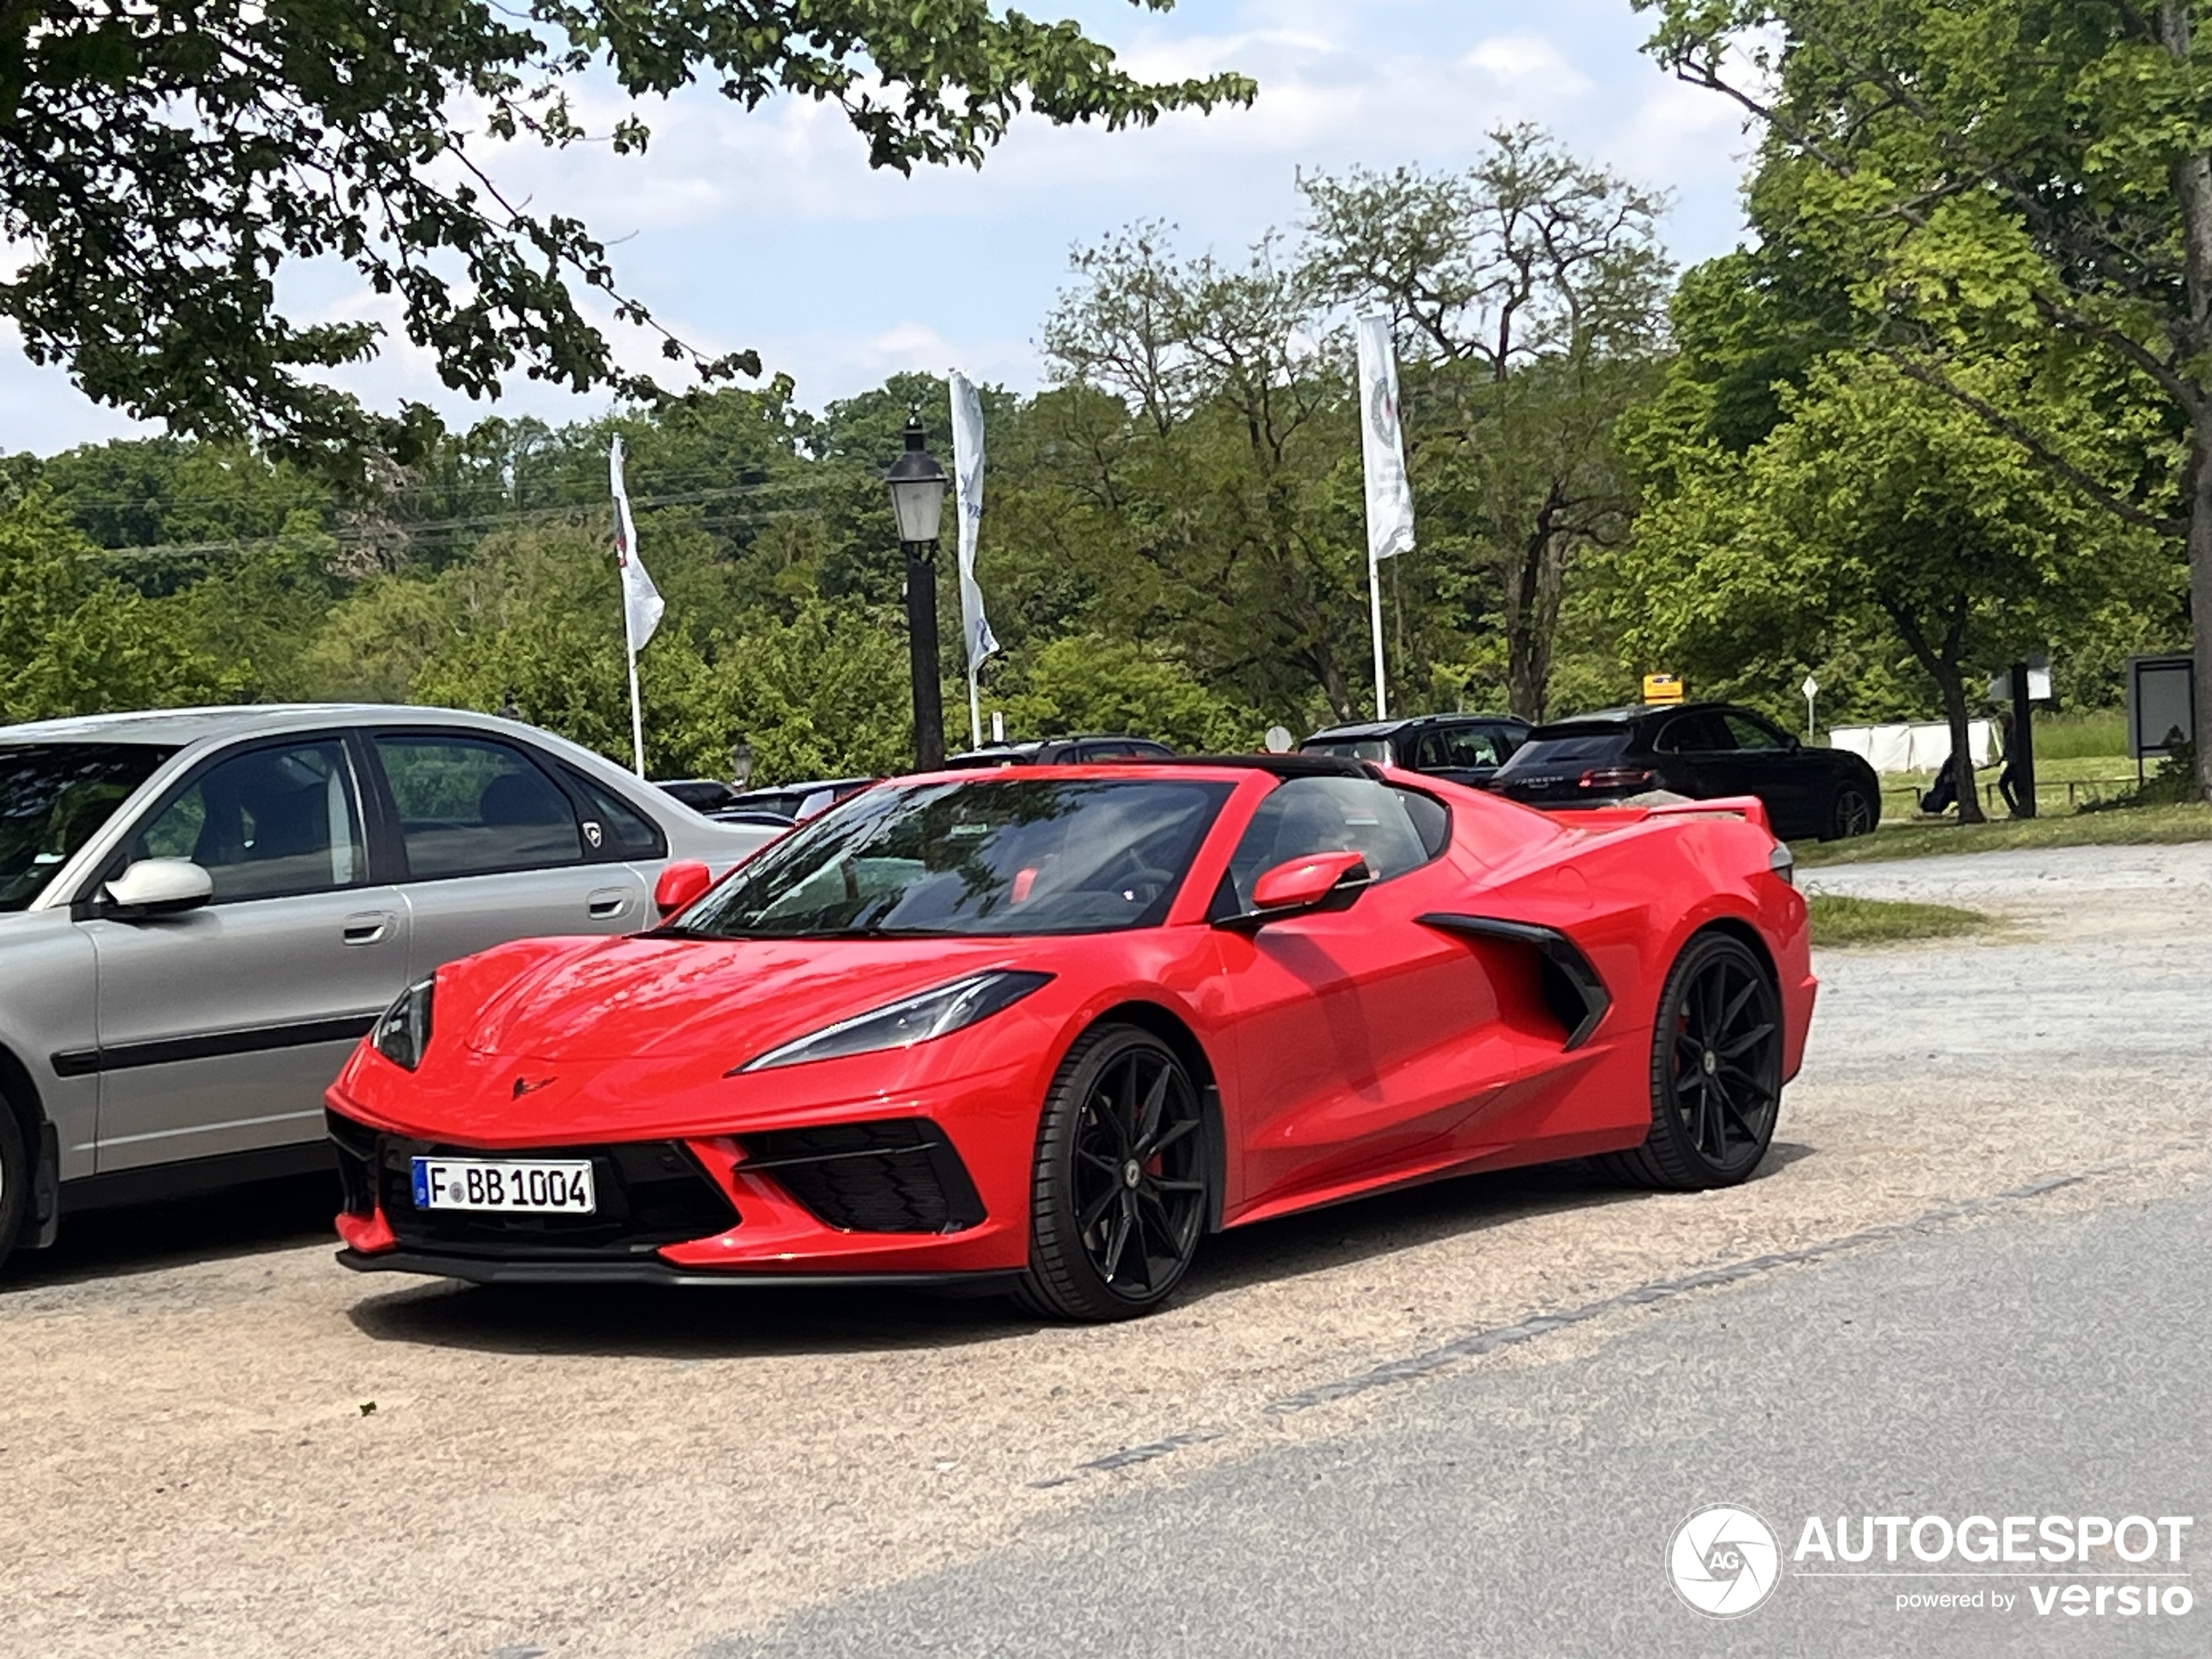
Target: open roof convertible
{"type": "Point", "coordinates": [1042, 1029]}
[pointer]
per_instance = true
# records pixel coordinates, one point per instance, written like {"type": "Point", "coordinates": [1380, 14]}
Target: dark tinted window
{"type": "Point", "coordinates": [54, 797]}
{"type": "Point", "coordinates": [1309, 815]}
{"type": "Point", "coordinates": [977, 857]}
{"type": "Point", "coordinates": [1704, 732]}
{"type": "Point", "coordinates": [1374, 749]}
{"type": "Point", "coordinates": [1567, 747]}
{"type": "Point", "coordinates": [1461, 748]}
{"type": "Point", "coordinates": [1431, 822]}
{"type": "Point", "coordinates": [471, 808]}
{"type": "Point", "coordinates": [623, 833]}
{"type": "Point", "coordinates": [265, 823]}
{"type": "Point", "coordinates": [1749, 732]}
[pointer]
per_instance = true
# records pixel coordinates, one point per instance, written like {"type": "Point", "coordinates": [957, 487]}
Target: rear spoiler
{"type": "Point", "coordinates": [1749, 808]}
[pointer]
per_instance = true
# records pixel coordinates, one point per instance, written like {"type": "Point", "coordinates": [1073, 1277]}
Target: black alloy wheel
{"type": "Point", "coordinates": [14, 1180]}
{"type": "Point", "coordinates": [1716, 1070]}
{"type": "Point", "coordinates": [1118, 1198]}
{"type": "Point", "coordinates": [1854, 813]}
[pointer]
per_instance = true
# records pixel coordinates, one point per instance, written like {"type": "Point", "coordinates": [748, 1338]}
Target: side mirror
{"type": "Point", "coordinates": [158, 887]}
{"type": "Point", "coordinates": [679, 884]}
{"type": "Point", "coordinates": [1320, 881]}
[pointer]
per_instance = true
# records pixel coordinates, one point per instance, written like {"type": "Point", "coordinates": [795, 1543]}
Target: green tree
{"type": "Point", "coordinates": [1528, 295]}
{"type": "Point", "coordinates": [161, 165]}
{"type": "Point", "coordinates": [73, 641]}
{"type": "Point", "coordinates": [1879, 507]}
{"type": "Point", "coordinates": [1983, 175]}
{"type": "Point", "coordinates": [1083, 683]}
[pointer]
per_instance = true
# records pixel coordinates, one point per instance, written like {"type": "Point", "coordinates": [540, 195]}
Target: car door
{"type": "Point", "coordinates": [1696, 754]}
{"type": "Point", "coordinates": [497, 842]}
{"type": "Point", "coordinates": [219, 1028]}
{"type": "Point", "coordinates": [1763, 762]}
{"type": "Point", "coordinates": [1350, 1036]}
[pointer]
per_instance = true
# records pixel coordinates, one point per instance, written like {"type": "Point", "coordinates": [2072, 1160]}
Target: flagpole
{"type": "Point", "coordinates": [637, 709]}
{"type": "Point", "coordinates": [1374, 611]}
{"type": "Point", "coordinates": [975, 710]}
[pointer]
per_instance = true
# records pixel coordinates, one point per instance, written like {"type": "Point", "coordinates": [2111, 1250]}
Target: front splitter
{"type": "Point", "coordinates": [479, 1270]}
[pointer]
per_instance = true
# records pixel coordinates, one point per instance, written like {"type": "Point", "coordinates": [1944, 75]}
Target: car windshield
{"type": "Point", "coordinates": [977, 858]}
{"type": "Point", "coordinates": [53, 799]}
{"type": "Point", "coordinates": [1374, 749]}
{"type": "Point", "coordinates": [1566, 745]}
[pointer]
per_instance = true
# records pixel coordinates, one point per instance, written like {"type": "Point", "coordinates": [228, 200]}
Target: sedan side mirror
{"type": "Point", "coordinates": [158, 887]}
{"type": "Point", "coordinates": [679, 884]}
{"type": "Point", "coordinates": [1319, 881]}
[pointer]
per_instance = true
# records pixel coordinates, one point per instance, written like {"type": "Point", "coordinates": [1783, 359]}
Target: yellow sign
{"type": "Point", "coordinates": [1662, 688]}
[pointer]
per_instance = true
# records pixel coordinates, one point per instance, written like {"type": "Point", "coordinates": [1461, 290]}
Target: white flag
{"type": "Point", "coordinates": [1390, 493]}
{"type": "Point", "coordinates": [641, 601]}
{"type": "Point", "coordinates": [968, 496]}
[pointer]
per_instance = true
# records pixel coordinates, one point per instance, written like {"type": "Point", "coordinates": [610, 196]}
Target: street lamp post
{"type": "Point", "coordinates": [917, 497]}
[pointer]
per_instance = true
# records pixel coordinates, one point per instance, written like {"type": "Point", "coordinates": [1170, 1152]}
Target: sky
{"type": "Point", "coordinates": [768, 229]}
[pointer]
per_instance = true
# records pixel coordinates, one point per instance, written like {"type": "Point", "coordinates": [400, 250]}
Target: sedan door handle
{"type": "Point", "coordinates": [369, 927]}
{"type": "Point", "coordinates": [608, 903]}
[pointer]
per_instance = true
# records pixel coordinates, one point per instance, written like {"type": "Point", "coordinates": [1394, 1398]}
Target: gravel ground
{"type": "Point", "coordinates": [190, 1467]}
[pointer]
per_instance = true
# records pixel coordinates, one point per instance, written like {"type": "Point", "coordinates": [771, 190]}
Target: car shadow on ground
{"type": "Point", "coordinates": [179, 1232]}
{"type": "Point", "coordinates": [649, 1321]}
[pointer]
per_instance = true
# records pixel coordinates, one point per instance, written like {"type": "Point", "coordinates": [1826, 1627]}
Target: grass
{"type": "Point", "coordinates": [1840, 919]}
{"type": "Point", "coordinates": [2096, 734]}
{"type": "Point", "coordinates": [2126, 827]}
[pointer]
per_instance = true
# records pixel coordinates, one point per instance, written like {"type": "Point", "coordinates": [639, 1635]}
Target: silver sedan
{"type": "Point", "coordinates": [202, 911]}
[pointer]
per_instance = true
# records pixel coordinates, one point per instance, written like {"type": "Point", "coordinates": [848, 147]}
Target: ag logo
{"type": "Point", "coordinates": [1723, 1562]}
{"type": "Point", "coordinates": [593, 834]}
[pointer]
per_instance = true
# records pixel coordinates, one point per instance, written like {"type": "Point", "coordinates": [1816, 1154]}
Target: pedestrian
{"type": "Point", "coordinates": [1940, 799]}
{"type": "Point", "coordinates": [2008, 780]}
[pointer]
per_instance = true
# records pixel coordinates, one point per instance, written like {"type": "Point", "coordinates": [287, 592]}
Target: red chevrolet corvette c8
{"type": "Point", "coordinates": [1043, 1030]}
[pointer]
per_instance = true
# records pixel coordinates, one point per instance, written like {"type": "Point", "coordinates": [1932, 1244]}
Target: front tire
{"type": "Point", "coordinates": [15, 1181]}
{"type": "Point", "coordinates": [1716, 1070]}
{"type": "Point", "coordinates": [1854, 812]}
{"type": "Point", "coordinates": [1119, 1193]}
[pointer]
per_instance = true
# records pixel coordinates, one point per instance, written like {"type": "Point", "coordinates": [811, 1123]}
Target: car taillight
{"type": "Point", "coordinates": [1783, 863]}
{"type": "Point", "coordinates": [1616, 778]}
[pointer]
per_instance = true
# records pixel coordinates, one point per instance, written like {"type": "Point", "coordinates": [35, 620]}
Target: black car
{"type": "Point", "coordinates": [789, 801]}
{"type": "Point", "coordinates": [700, 795]}
{"type": "Point", "coordinates": [1467, 748]}
{"type": "Point", "coordinates": [1701, 750]}
{"type": "Point", "coordinates": [1061, 751]}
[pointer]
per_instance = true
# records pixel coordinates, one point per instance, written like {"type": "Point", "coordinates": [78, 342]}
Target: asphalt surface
{"type": "Point", "coordinates": [2001, 1364]}
{"type": "Point", "coordinates": [1968, 1279]}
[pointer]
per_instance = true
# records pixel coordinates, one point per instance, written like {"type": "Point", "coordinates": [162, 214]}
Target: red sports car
{"type": "Point", "coordinates": [1042, 1029]}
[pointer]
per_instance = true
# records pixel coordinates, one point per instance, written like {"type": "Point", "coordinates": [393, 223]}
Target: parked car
{"type": "Point", "coordinates": [1060, 751]}
{"type": "Point", "coordinates": [703, 795]}
{"type": "Point", "coordinates": [1467, 748]}
{"type": "Point", "coordinates": [202, 911]}
{"type": "Point", "coordinates": [787, 800]}
{"type": "Point", "coordinates": [1045, 1030]}
{"type": "Point", "coordinates": [1701, 750]}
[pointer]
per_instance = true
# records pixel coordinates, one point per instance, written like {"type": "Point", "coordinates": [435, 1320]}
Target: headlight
{"type": "Point", "coordinates": [404, 1031]}
{"type": "Point", "coordinates": [1784, 862]}
{"type": "Point", "coordinates": [901, 1025]}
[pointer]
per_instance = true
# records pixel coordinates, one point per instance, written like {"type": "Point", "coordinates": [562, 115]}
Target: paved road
{"type": "Point", "coordinates": [2009, 1364]}
{"type": "Point", "coordinates": [1465, 1416]}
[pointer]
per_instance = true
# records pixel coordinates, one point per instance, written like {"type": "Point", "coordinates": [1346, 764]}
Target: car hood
{"type": "Point", "coordinates": [648, 998]}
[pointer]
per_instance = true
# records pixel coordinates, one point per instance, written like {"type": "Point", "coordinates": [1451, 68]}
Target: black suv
{"type": "Point", "coordinates": [1701, 750]}
{"type": "Point", "coordinates": [1061, 752]}
{"type": "Point", "coordinates": [1467, 748]}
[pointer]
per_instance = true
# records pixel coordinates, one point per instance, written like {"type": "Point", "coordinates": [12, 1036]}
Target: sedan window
{"type": "Point", "coordinates": [1461, 748]}
{"type": "Point", "coordinates": [55, 797]}
{"type": "Point", "coordinates": [266, 824]}
{"type": "Point", "coordinates": [470, 808]}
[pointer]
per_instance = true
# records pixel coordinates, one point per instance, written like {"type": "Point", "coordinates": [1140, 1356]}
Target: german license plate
{"type": "Point", "coordinates": [544, 1189]}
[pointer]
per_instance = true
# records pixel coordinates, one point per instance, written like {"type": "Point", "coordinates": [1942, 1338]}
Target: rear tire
{"type": "Point", "coordinates": [1715, 1071]}
{"type": "Point", "coordinates": [1118, 1194]}
{"type": "Point", "coordinates": [1853, 812]}
{"type": "Point", "coordinates": [15, 1181]}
